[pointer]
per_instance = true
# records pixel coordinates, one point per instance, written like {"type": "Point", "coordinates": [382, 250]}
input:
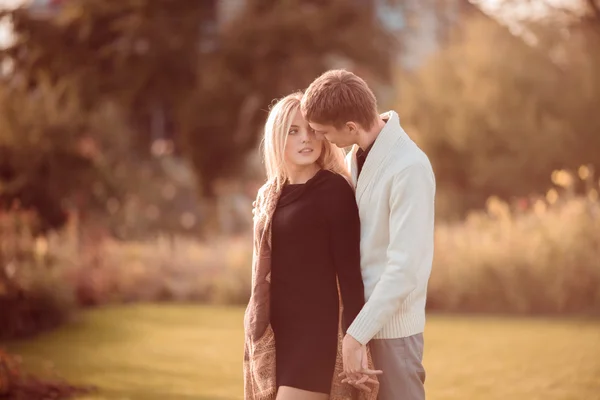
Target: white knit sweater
{"type": "Point", "coordinates": [395, 194]}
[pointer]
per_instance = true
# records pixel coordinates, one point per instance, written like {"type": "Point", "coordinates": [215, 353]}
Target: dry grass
{"type": "Point", "coordinates": [522, 264]}
{"type": "Point", "coordinates": [168, 269]}
{"type": "Point", "coordinates": [543, 259]}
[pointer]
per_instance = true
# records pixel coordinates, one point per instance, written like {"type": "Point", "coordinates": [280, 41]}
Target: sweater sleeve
{"type": "Point", "coordinates": [411, 233]}
{"type": "Point", "coordinates": [344, 227]}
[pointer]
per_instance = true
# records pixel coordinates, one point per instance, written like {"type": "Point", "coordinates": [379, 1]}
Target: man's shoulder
{"type": "Point", "coordinates": [408, 158]}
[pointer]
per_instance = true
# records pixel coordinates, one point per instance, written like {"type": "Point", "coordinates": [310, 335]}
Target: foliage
{"type": "Point", "coordinates": [46, 277]}
{"type": "Point", "coordinates": [34, 295]}
{"type": "Point", "coordinates": [177, 73]}
{"type": "Point", "coordinates": [55, 159]}
{"type": "Point", "coordinates": [538, 257]}
{"type": "Point", "coordinates": [40, 162]}
{"type": "Point", "coordinates": [164, 269]}
{"type": "Point", "coordinates": [498, 115]}
{"type": "Point", "coordinates": [271, 49]}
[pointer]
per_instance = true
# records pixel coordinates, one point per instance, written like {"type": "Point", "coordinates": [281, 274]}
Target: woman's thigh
{"type": "Point", "coordinates": [290, 393]}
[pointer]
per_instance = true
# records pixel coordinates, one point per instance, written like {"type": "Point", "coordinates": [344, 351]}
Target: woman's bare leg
{"type": "Point", "coordinates": [290, 393]}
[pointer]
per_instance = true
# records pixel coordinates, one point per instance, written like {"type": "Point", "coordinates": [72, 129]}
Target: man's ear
{"type": "Point", "coordinates": [352, 126]}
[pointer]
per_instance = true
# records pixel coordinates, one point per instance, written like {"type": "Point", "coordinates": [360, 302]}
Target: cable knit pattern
{"type": "Point", "coordinates": [395, 193]}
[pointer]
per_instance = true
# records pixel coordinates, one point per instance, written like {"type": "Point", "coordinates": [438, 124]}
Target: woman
{"type": "Point", "coordinates": [307, 257]}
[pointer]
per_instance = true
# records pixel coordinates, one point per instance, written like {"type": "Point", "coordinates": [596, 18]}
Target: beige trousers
{"type": "Point", "coordinates": [401, 361]}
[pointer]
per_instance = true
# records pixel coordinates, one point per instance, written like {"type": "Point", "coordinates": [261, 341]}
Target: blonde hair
{"type": "Point", "coordinates": [339, 96]}
{"type": "Point", "coordinates": [277, 127]}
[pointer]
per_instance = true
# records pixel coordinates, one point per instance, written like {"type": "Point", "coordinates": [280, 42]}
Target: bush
{"type": "Point", "coordinates": [45, 277]}
{"type": "Point", "coordinates": [167, 269]}
{"type": "Point", "coordinates": [34, 295]}
{"type": "Point", "coordinates": [43, 305]}
{"type": "Point", "coordinates": [538, 255]}
{"type": "Point", "coordinates": [543, 259]}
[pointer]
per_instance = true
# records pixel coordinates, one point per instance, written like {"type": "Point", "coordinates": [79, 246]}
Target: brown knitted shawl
{"type": "Point", "coordinates": [259, 343]}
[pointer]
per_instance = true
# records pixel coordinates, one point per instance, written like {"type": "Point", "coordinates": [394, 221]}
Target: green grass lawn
{"type": "Point", "coordinates": [167, 352]}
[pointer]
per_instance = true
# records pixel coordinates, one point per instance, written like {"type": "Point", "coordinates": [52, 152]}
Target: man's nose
{"type": "Point", "coordinates": [319, 136]}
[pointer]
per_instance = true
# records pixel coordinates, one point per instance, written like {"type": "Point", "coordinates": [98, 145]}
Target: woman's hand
{"type": "Point", "coordinates": [356, 367]}
{"type": "Point", "coordinates": [361, 384]}
{"type": "Point", "coordinates": [352, 356]}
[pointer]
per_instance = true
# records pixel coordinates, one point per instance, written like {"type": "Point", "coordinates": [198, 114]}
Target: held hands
{"type": "Point", "coordinates": [356, 367]}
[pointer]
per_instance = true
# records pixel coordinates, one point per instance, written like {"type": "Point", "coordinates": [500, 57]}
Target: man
{"type": "Point", "coordinates": [395, 190]}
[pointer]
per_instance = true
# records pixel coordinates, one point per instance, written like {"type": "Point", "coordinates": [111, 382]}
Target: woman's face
{"type": "Point", "coordinates": [302, 147]}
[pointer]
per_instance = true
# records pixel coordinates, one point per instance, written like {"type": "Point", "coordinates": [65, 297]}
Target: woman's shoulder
{"type": "Point", "coordinates": [264, 193]}
{"type": "Point", "coordinates": [330, 177]}
{"type": "Point", "coordinates": [333, 182]}
{"type": "Point", "coordinates": [263, 190]}
{"type": "Point", "coordinates": [336, 194]}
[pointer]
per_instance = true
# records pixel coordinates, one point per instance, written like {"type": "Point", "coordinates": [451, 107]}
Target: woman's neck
{"type": "Point", "coordinates": [301, 174]}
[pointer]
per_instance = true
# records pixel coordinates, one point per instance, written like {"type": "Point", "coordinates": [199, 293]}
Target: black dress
{"type": "Point", "coordinates": [315, 238]}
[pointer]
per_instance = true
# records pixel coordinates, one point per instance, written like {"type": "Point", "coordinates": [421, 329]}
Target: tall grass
{"type": "Point", "coordinates": [168, 269]}
{"type": "Point", "coordinates": [542, 258]}
{"type": "Point", "coordinates": [43, 279]}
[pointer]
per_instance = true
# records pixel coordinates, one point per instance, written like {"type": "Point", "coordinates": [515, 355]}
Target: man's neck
{"type": "Point", "coordinates": [367, 138]}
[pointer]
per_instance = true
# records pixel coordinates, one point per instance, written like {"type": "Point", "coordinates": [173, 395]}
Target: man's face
{"type": "Point", "coordinates": [340, 137]}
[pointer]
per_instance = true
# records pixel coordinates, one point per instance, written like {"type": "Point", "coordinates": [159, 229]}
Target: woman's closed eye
{"type": "Point", "coordinates": [293, 131]}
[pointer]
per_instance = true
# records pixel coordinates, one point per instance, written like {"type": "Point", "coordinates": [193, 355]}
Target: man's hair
{"type": "Point", "coordinates": [338, 96]}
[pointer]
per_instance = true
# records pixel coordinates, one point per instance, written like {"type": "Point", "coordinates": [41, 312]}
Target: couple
{"type": "Point", "coordinates": [342, 251]}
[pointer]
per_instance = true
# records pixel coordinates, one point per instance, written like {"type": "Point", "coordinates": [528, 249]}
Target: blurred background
{"type": "Point", "coordinates": [129, 135]}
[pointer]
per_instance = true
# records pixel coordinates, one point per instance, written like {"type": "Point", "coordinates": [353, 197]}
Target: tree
{"type": "Point", "coordinates": [179, 74]}
{"type": "Point", "coordinates": [570, 36]}
{"type": "Point", "coordinates": [44, 156]}
{"type": "Point", "coordinates": [498, 115]}
{"type": "Point", "coordinates": [271, 49]}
